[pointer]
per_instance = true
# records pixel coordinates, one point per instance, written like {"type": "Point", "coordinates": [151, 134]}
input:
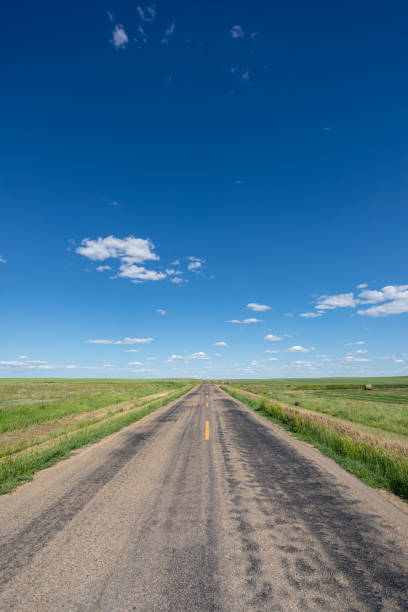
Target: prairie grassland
{"type": "Point", "coordinates": [24, 402]}
{"type": "Point", "coordinates": [47, 431]}
{"type": "Point", "coordinates": [365, 431]}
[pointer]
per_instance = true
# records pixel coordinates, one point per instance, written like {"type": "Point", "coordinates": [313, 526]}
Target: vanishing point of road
{"type": "Point", "coordinates": [203, 505]}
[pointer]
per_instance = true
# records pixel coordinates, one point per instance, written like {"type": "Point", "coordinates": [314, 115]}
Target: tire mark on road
{"type": "Point", "coordinates": [21, 549]}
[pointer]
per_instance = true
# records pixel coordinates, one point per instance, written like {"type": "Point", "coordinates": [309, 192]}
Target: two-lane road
{"type": "Point", "coordinates": [202, 505]}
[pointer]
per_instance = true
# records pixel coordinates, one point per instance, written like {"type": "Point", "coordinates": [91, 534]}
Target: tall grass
{"type": "Point", "coordinates": [374, 464]}
{"type": "Point", "coordinates": [383, 411]}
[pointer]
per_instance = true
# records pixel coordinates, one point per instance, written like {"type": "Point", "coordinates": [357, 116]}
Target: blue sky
{"type": "Point", "coordinates": [166, 166]}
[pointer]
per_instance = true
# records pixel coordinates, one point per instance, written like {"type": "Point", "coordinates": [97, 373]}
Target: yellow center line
{"type": "Point", "coordinates": [207, 430]}
{"type": "Point", "coordinates": [206, 404]}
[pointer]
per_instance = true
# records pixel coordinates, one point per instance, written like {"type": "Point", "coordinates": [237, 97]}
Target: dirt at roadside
{"type": "Point", "coordinates": [49, 432]}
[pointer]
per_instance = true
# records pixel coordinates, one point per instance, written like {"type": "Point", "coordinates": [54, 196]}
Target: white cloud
{"type": "Point", "coordinates": [352, 359]}
{"type": "Point", "coordinates": [124, 341]}
{"type": "Point", "coordinates": [139, 273]}
{"type": "Point", "coordinates": [161, 311]}
{"type": "Point", "coordinates": [392, 299]}
{"type": "Point", "coordinates": [147, 13]}
{"type": "Point", "coordinates": [297, 348]}
{"type": "Point", "coordinates": [352, 343]}
{"type": "Point", "coordinates": [237, 31]}
{"type": "Point", "coordinates": [245, 321]}
{"type": "Point", "coordinates": [110, 15]}
{"type": "Point", "coordinates": [119, 37]}
{"type": "Point", "coordinates": [258, 307]}
{"type": "Point", "coordinates": [200, 355]}
{"type": "Point", "coordinates": [272, 338]}
{"type": "Point", "coordinates": [245, 76]}
{"type": "Point", "coordinates": [310, 315]}
{"type": "Point", "coordinates": [131, 351]}
{"type": "Point", "coordinates": [222, 343]}
{"type": "Point", "coordinates": [362, 286]}
{"type": "Point", "coordinates": [196, 264]}
{"type": "Point", "coordinates": [140, 370]}
{"type": "Point", "coordinates": [103, 268]}
{"type": "Point", "coordinates": [269, 351]}
{"type": "Point", "coordinates": [168, 33]}
{"type": "Point", "coordinates": [129, 249]}
{"type": "Point", "coordinates": [135, 363]}
{"type": "Point", "coordinates": [29, 365]}
{"type": "Point", "coordinates": [394, 296]}
{"type": "Point", "coordinates": [173, 271]}
{"type": "Point", "coordinates": [23, 356]}
{"type": "Point", "coordinates": [176, 262]}
{"type": "Point", "coordinates": [177, 280]}
{"type": "Point", "coordinates": [2, 260]}
{"type": "Point", "coordinates": [342, 300]}
{"type": "Point", "coordinates": [288, 314]}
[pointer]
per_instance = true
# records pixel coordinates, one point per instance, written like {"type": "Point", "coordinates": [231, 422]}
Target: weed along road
{"type": "Point", "coordinates": [202, 505]}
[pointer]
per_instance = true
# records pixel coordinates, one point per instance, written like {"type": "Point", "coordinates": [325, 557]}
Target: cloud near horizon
{"type": "Point", "coordinates": [124, 341]}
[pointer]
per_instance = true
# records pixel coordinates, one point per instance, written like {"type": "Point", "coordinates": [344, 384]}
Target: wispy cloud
{"type": "Point", "coordinates": [222, 343]}
{"type": "Point", "coordinates": [237, 32]}
{"type": "Point", "coordinates": [147, 13]}
{"type": "Point", "coordinates": [272, 338]}
{"type": "Point", "coordinates": [142, 34]}
{"type": "Point", "coordinates": [258, 307]}
{"type": "Point", "coordinates": [342, 300]}
{"type": "Point", "coordinates": [311, 315]}
{"type": "Point", "coordinates": [2, 260]}
{"type": "Point", "coordinates": [124, 341]}
{"type": "Point", "coordinates": [168, 34]}
{"type": "Point", "coordinates": [178, 281]}
{"type": "Point", "coordinates": [103, 268]}
{"type": "Point", "coordinates": [297, 348]}
{"type": "Point", "coordinates": [352, 343]}
{"type": "Point", "coordinates": [29, 365]}
{"type": "Point", "coordinates": [362, 286]}
{"type": "Point", "coordinates": [119, 37]}
{"type": "Point", "coordinates": [245, 321]}
{"type": "Point", "coordinates": [161, 311]}
{"type": "Point", "coordinates": [196, 264]}
{"type": "Point", "coordinates": [200, 355]}
{"type": "Point", "coordinates": [110, 15]}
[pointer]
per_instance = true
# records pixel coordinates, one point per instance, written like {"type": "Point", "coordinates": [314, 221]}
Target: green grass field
{"type": "Point", "coordinates": [24, 402]}
{"type": "Point", "coordinates": [385, 407]}
{"type": "Point", "coordinates": [365, 431]}
{"type": "Point", "coordinates": [42, 421]}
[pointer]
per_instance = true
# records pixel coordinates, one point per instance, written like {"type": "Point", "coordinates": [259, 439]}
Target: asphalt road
{"type": "Point", "coordinates": [175, 514]}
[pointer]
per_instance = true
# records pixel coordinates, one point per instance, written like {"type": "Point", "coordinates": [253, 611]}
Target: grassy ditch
{"type": "Point", "coordinates": [19, 469]}
{"type": "Point", "coordinates": [373, 463]}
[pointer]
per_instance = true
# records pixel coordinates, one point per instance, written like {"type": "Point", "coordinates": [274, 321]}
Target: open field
{"type": "Point", "coordinates": [365, 431]}
{"type": "Point", "coordinates": [41, 421]}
